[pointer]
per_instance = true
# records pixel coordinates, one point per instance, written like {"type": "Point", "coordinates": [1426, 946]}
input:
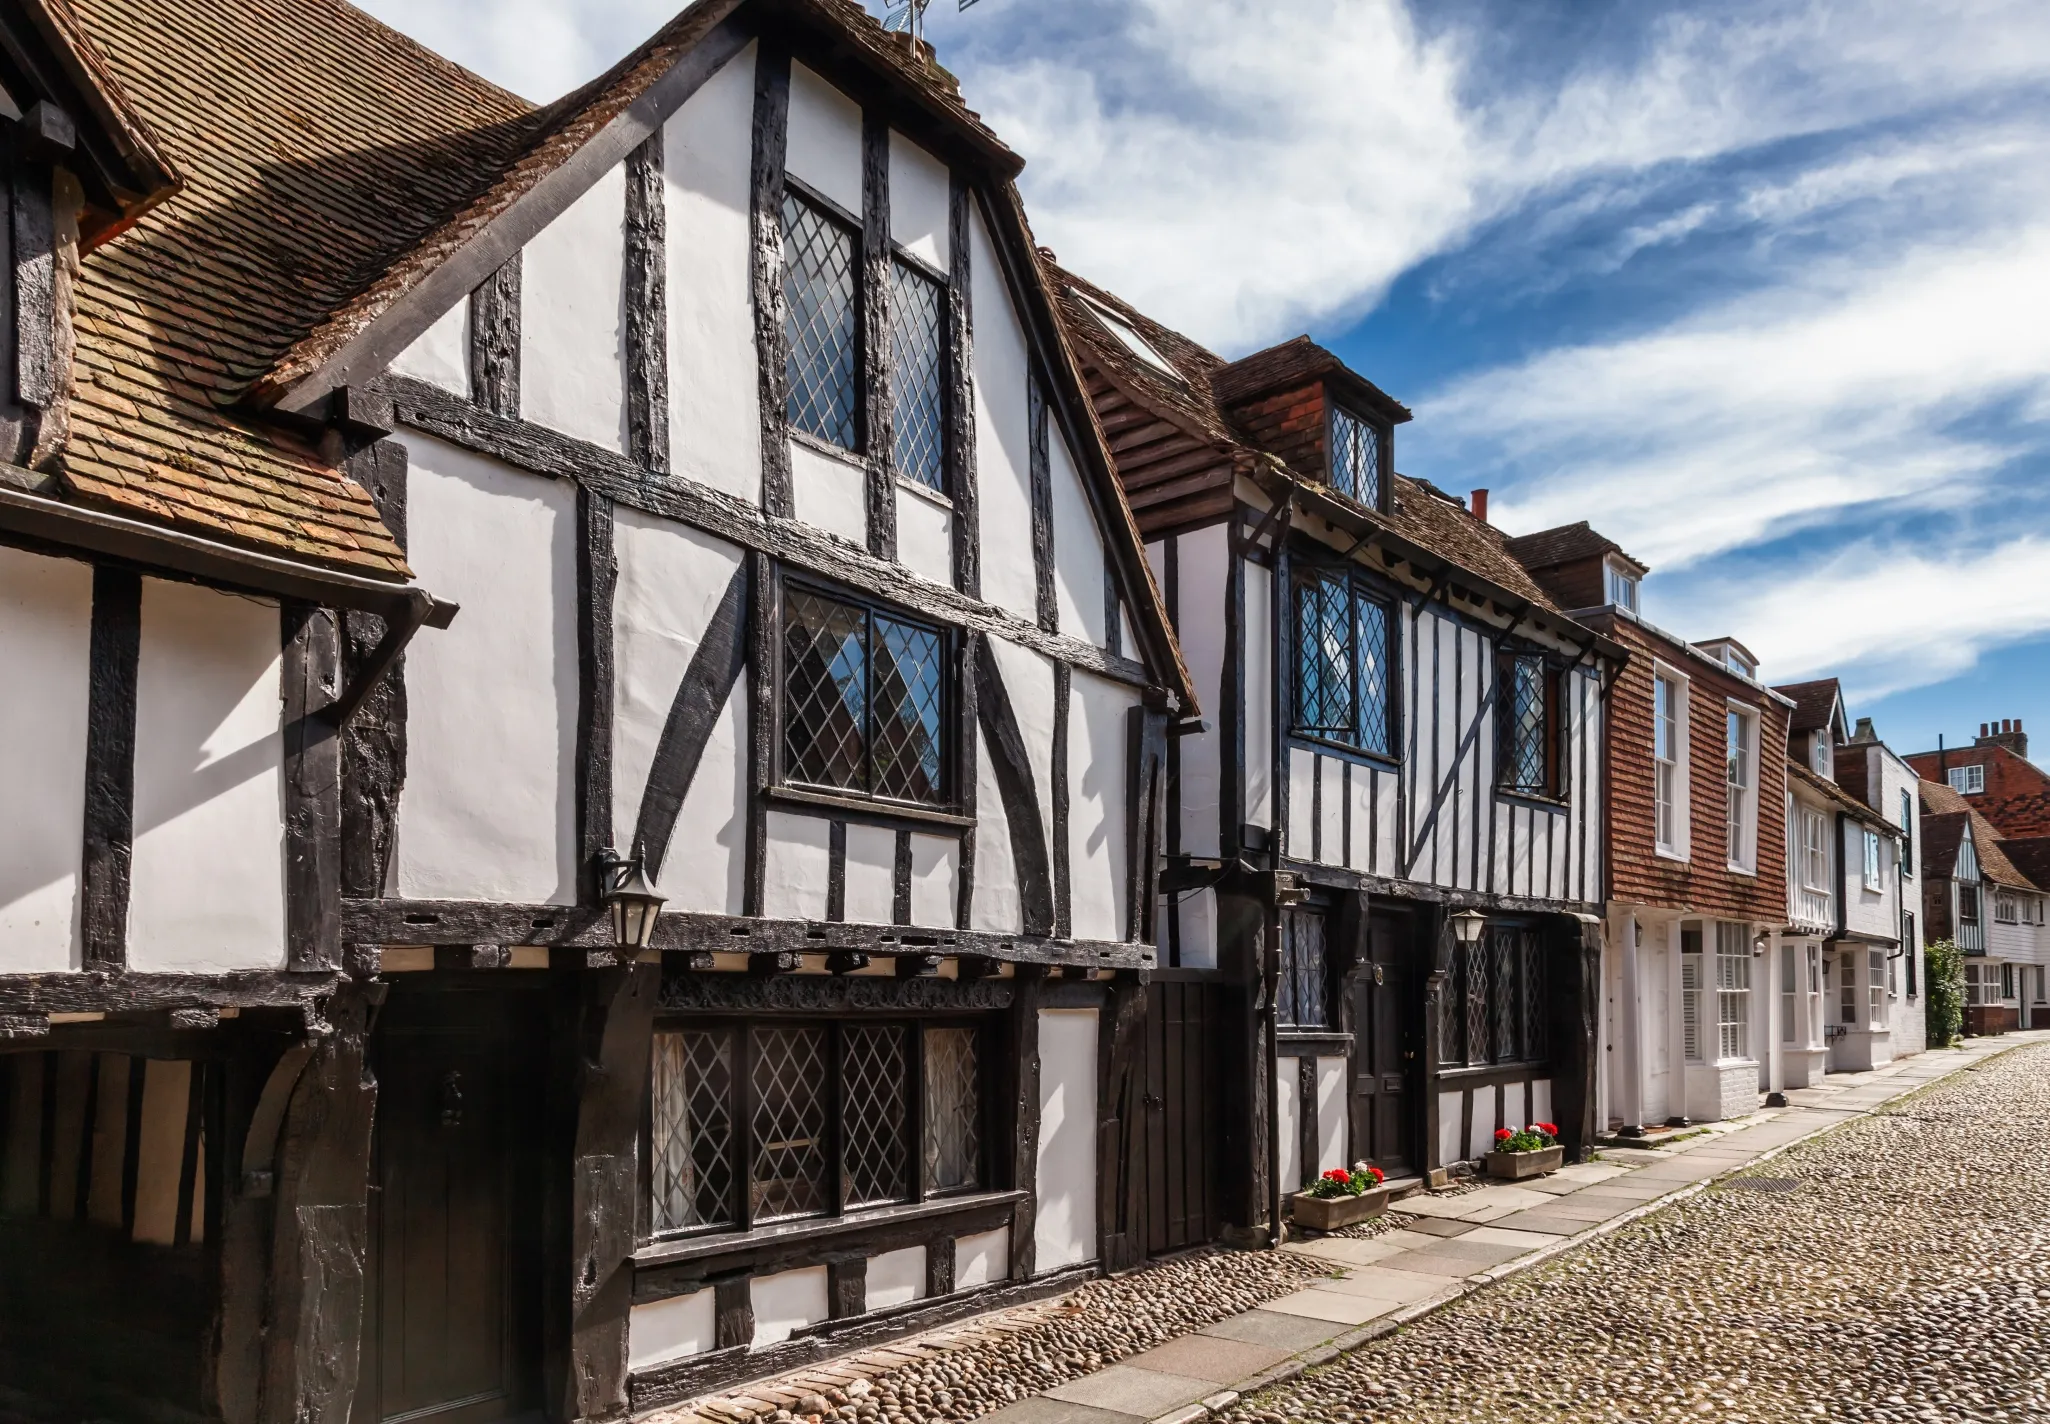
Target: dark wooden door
{"type": "Point", "coordinates": [1182, 1063]}
{"type": "Point", "coordinates": [1387, 1011]}
{"type": "Point", "coordinates": [450, 1331]}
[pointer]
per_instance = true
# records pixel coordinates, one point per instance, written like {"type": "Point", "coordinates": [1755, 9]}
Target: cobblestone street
{"type": "Point", "coordinates": [1896, 1269]}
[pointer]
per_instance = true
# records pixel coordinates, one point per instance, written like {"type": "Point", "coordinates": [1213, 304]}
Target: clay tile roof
{"type": "Point", "coordinates": [1433, 521]}
{"type": "Point", "coordinates": [1942, 833]}
{"type": "Point", "coordinates": [1814, 702]}
{"type": "Point", "coordinates": [1944, 816]}
{"type": "Point", "coordinates": [316, 145]}
{"type": "Point", "coordinates": [2031, 856]}
{"type": "Point", "coordinates": [1296, 362]}
{"type": "Point", "coordinates": [1567, 544]}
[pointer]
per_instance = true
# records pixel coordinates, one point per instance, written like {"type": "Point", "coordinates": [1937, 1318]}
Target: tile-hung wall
{"type": "Point", "coordinates": [489, 810]}
{"type": "Point", "coordinates": [172, 697]}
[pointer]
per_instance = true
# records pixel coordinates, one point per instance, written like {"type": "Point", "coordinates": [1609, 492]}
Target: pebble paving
{"type": "Point", "coordinates": [1897, 1268]}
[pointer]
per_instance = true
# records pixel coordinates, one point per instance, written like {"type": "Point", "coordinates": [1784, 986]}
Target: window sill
{"type": "Point", "coordinates": [1749, 871]}
{"type": "Point", "coordinates": [853, 459]}
{"type": "Point", "coordinates": [1533, 798]}
{"type": "Point", "coordinates": [1665, 853]}
{"type": "Point", "coordinates": [783, 1233]}
{"type": "Point", "coordinates": [859, 807]}
{"type": "Point", "coordinates": [1363, 756]}
{"type": "Point", "coordinates": [1307, 1043]}
{"type": "Point", "coordinates": [925, 492]}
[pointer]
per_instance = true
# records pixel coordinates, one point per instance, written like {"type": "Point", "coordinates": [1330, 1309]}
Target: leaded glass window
{"type": "Point", "coordinates": [1497, 1004]}
{"type": "Point", "coordinates": [864, 700]}
{"type": "Point", "coordinates": [953, 1110]}
{"type": "Point", "coordinates": [1355, 458]}
{"type": "Point", "coordinates": [1342, 668]}
{"type": "Point", "coordinates": [917, 377]}
{"type": "Point", "coordinates": [1304, 994]}
{"type": "Point", "coordinates": [821, 322]}
{"type": "Point", "coordinates": [1523, 705]}
{"type": "Point", "coordinates": [876, 1110]}
{"type": "Point", "coordinates": [691, 1152]}
{"type": "Point", "coordinates": [791, 1087]}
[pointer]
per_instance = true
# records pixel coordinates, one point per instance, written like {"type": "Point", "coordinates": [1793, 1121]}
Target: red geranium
{"type": "Point", "coordinates": [1503, 1134]}
{"type": "Point", "coordinates": [1338, 1174]}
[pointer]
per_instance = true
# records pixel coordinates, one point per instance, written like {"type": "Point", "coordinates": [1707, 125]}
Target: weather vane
{"type": "Point", "coordinates": [909, 16]}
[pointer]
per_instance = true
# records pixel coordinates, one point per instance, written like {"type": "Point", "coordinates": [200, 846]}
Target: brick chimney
{"type": "Point", "coordinates": [2007, 732]}
{"type": "Point", "coordinates": [1864, 735]}
{"type": "Point", "coordinates": [1479, 505]}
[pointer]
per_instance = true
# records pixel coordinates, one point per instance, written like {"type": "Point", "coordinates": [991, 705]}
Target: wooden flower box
{"type": "Point", "coordinates": [1515, 1166]}
{"type": "Point", "coordinates": [1337, 1213]}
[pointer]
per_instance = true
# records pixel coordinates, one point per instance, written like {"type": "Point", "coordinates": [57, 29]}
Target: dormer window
{"type": "Point", "coordinates": [1821, 754]}
{"type": "Point", "coordinates": [1620, 586]}
{"type": "Point", "coordinates": [1737, 663]}
{"type": "Point", "coordinates": [1355, 458]}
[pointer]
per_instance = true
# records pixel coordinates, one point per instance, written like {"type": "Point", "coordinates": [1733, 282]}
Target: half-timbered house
{"type": "Point", "coordinates": [1696, 781]}
{"type": "Point", "coordinates": [1385, 837]}
{"type": "Point", "coordinates": [728, 399]}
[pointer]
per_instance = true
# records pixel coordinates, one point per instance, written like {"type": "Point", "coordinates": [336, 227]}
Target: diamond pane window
{"type": "Point", "coordinates": [1342, 667]}
{"type": "Point", "coordinates": [1536, 1041]}
{"type": "Point", "coordinates": [692, 1147]}
{"type": "Point", "coordinates": [791, 1158]}
{"type": "Point", "coordinates": [953, 1111]}
{"type": "Point", "coordinates": [874, 1114]}
{"type": "Point", "coordinates": [907, 711]}
{"type": "Point", "coordinates": [1304, 999]}
{"type": "Point", "coordinates": [820, 322]}
{"type": "Point", "coordinates": [1507, 998]}
{"type": "Point", "coordinates": [917, 387]}
{"type": "Point", "coordinates": [1323, 695]}
{"type": "Point", "coordinates": [1474, 988]}
{"type": "Point", "coordinates": [1522, 704]}
{"type": "Point", "coordinates": [1355, 458]}
{"type": "Point", "coordinates": [864, 700]}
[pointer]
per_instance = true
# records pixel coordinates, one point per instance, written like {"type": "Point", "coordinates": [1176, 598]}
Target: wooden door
{"type": "Point", "coordinates": [450, 1330]}
{"type": "Point", "coordinates": [1387, 1025]}
{"type": "Point", "coordinates": [1182, 1103]}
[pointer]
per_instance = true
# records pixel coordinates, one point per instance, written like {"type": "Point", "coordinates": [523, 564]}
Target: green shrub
{"type": "Point", "coordinates": [1943, 997]}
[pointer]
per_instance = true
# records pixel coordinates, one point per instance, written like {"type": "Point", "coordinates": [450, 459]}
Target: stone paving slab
{"type": "Point", "coordinates": [1385, 1283]}
{"type": "Point", "coordinates": [1334, 1306]}
{"type": "Point", "coordinates": [1125, 1389]}
{"type": "Point", "coordinates": [1043, 1410]}
{"type": "Point", "coordinates": [1267, 1327]}
{"type": "Point", "coordinates": [1207, 1357]}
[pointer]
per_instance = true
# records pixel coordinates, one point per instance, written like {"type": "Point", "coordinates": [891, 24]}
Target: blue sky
{"type": "Point", "coordinates": [1760, 288]}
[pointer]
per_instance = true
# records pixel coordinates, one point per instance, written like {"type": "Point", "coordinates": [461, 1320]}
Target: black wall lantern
{"type": "Point", "coordinates": [633, 905]}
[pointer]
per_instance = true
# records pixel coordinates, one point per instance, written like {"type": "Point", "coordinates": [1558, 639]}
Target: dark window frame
{"type": "Point", "coordinates": [949, 637]}
{"type": "Point", "coordinates": [1358, 589]}
{"type": "Point", "coordinates": [1551, 733]}
{"type": "Point", "coordinates": [1336, 408]}
{"type": "Point", "coordinates": [850, 226]}
{"type": "Point", "coordinates": [1499, 1029]}
{"type": "Point", "coordinates": [740, 1030]}
{"type": "Point", "coordinates": [1297, 975]}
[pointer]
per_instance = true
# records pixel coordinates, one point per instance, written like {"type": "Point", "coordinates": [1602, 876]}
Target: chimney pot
{"type": "Point", "coordinates": [1984, 730]}
{"type": "Point", "coordinates": [1480, 505]}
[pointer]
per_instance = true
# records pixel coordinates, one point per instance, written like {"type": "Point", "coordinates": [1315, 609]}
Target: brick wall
{"type": "Point", "coordinates": [1290, 424]}
{"type": "Point", "coordinates": [2017, 795]}
{"type": "Point", "coordinates": [1638, 874]}
{"type": "Point", "coordinates": [1579, 584]}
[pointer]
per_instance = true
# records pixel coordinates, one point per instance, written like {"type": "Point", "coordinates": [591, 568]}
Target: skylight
{"type": "Point", "coordinates": [1129, 336]}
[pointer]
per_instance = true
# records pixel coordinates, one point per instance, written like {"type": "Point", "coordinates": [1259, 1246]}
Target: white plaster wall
{"type": "Point", "coordinates": [1003, 451]}
{"type": "Point", "coordinates": [46, 612]}
{"type": "Point", "coordinates": [1099, 844]}
{"type": "Point", "coordinates": [1259, 711]}
{"type": "Point", "coordinates": [871, 874]}
{"type": "Point", "coordinates": [787, 1302]}
{"type": "Point", "coordinates": [982, 1259]}
{"type": "Point", "coordinates": [706, 868]}
{"type": "Point", "coordinates": [1288, 1118]}
{"type": "Point", "coordinates": [440, 355]}
{"type": "Point", "coordinates": [715, 431]}
{"type": "Point", "coordinates": [1331, 1114]}
{"type": "Point", "coordinates": [1028, 678]}
{"type": "Point", "coordinates": [1481, 1135]}
{"type": "Point", "coordinates": [1077, 548]}
{"type": "Point", "coordinates": [1331, 810]}
{"type": "Point", "coordinates": [1359, 851]}
{"type": "Point", "coordinates": [671, 1329]}
{"type": "Point", "coordinates": [935, 880]}
{"type": "Point", "coordinates": [825, 138]}
{"type": "Point", "coordinates": [488, 811]}
{"type": "Point", "coordinates": [1541, 1100]}
{"type": "Point", "coordinates": [1514, 1108]}
{"type": "Point", "coordinates": [1302, 771]}
{"type": "Point", "coordinates": [1064, 1229]}
{"type": "Point", "coordinates": [895, 1278]}
{"type": "Point", "coordinates": [1201, 568]}
{"type": "Point", "coordinates": [829, 494]}
{"type": "Point", "coordinates": [995, 905]}
{"type": "Point", "coordinates": [925, 536]}
{"type": "Point", "coordinates": [1449, 1145]}
{"type": "Point", "coordinates": [919, 202]}
{"type": "Point", "coordinates": [796, 866]}
{"type": "Point", "coordinates": [207, 886]}
{"type": "Point", "coordinates": [671, 580]}
{"type": "Point", "coordinates": [573, 318]}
